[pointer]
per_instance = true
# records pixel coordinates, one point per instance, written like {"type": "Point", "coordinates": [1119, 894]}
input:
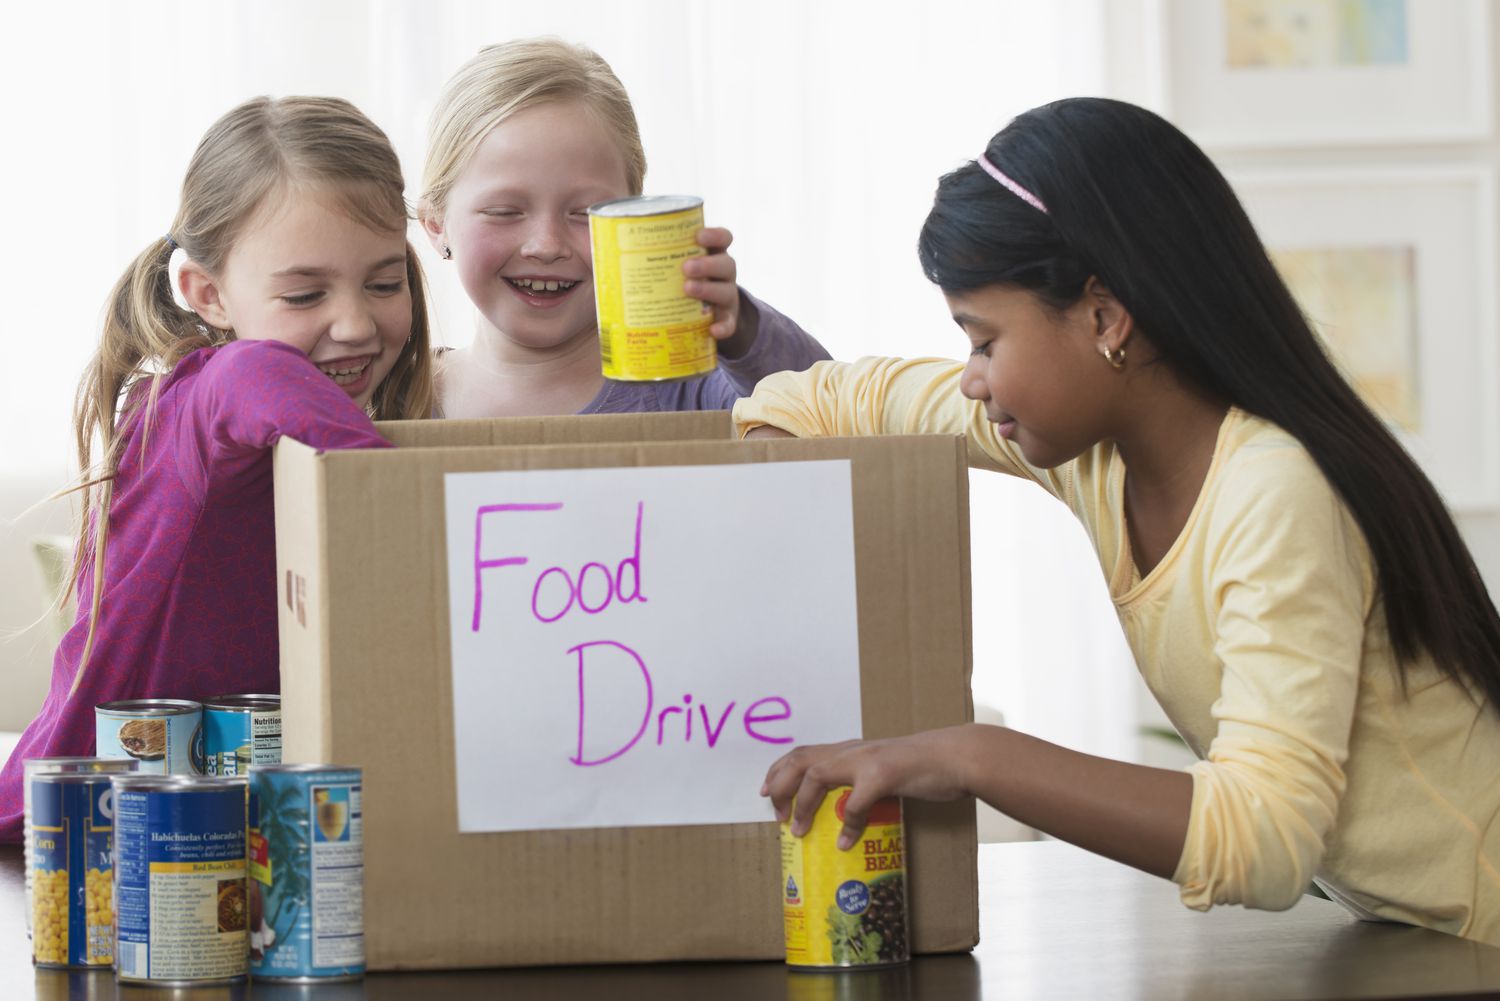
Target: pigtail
{"type": "Point", "coordinates": [145, 334]}
{"type": "Point", "coordinates": [241, 160]}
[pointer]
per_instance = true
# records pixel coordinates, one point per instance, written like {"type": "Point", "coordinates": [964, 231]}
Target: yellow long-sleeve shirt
{"type": "Point", "coordinates": [1260, 635]}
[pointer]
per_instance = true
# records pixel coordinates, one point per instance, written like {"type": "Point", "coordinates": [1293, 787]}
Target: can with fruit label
{"type": "Point", "coordinates": [306, 856]}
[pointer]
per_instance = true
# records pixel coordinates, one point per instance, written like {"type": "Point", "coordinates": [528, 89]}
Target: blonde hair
{"type": "Point", "coordinates": [511, 77]}
{"type": "Point", "coordinates": [261, 148]}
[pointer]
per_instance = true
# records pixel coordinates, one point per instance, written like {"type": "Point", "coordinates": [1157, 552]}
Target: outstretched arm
{"type": "Point", "coordinates": [1130, 813]}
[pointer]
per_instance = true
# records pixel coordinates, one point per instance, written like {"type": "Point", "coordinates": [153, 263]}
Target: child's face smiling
{"type": "Point", "coordinates": [1038, 373]}
{"type": "Point", "coordinates": [306, 274]}
{"type": "Point", "coordinates": [517, 223]}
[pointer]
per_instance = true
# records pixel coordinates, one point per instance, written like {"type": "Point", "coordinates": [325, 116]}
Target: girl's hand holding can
{"type": "Point", "coordinates": [932, 765]}
{"type": "Point", "coordinates": [711, 278]}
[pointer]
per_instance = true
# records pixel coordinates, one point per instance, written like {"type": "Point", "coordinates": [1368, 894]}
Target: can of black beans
{"type": "Point", "coordinates": [845, 909]}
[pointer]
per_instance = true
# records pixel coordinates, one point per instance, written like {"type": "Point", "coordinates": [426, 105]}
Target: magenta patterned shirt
{"type": "Point", "coordinates": [189, 607]}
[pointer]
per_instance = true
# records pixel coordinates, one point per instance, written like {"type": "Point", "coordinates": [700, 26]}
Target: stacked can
{"type": "Point", "coordinates": [180, 880]}
{"type": "Point", "coordinates": [845, 908]}
{"type": "Point", "coordinates": [240, 731]}
{"type": "Point", "coordinates": [69, 868]}
{"type": "Point", "coordinates": [164, 735]}
{"type": "Point", "coordinates": [306, 853]}
{"type": "Point", "coordinates": [33, 767]}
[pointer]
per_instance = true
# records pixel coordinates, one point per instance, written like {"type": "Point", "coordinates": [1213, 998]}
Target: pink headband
{"type": "Point", "coordinates": [1014, 187]}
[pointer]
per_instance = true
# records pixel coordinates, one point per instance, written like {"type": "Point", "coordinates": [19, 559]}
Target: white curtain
{"type": "Point", "coordinates": [815, 129]}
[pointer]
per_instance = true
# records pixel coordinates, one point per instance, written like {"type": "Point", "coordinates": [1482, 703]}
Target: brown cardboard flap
{"type": "Point", "coordinates": [571, 429]}
{"type": "Point", "coordinates": [366, 681]}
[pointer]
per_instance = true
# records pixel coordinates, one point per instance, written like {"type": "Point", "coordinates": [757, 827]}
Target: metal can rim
{"type": "Point", "coordinates": [43, 766]}
{"type": "Point", "coordinates": [300, 768]}
{"type": "Point", "coordinates": [242, 703]}
{"type": "Point", "coordinates": [309, 978]}
{"type": "Point", "coordinates": [76, 778]}
{"type": "Point", "coordinates": [176, 783]}
{"type": "Point", "coordinates": [644, 205]}
{"type": "Point", "coordinates": [151, 707]}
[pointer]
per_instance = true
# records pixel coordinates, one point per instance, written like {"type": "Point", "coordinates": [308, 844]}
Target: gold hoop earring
{"type": "Point", "coordinates": [1115, 358]}
{"type": "Point", "coordinates": [447, 253]}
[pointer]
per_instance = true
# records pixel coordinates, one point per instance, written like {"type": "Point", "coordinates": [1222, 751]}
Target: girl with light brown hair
{"type": "Point", "coordinates": [307, 318]}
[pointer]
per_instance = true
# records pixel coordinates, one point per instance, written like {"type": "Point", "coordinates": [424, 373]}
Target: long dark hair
{"type": "Point", "coordinates": [1133, 201]}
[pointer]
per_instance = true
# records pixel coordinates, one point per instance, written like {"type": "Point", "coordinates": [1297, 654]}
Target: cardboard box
{"type": "Point", "coordinates": [366, 681]}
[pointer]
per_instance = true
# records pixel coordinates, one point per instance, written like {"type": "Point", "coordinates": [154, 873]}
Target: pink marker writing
{"type": "Point", "coordinates": [592, 589]}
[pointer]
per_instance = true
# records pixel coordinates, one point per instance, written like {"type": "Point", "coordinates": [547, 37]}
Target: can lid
{"type": "Point", "coordinates": [243, 702]}
{"type": "Point", "coordinates": [176, 783]}
{"type": "Point", "coordinates": [45, 766]}
{"type": "Point", "coordinates": [150, 707]}
{"type": "Point", "coordinates": [303, 768]}
{"type": "Point", "coordinates": [76, 778]}
{"type": "Point", "coordinates": [642, 205]}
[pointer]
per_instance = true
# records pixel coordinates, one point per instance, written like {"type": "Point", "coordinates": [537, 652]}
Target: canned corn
{"type": "Point", "coordinates": [649, 329]}
{"type": "Point", "coordinates": [72, 857]}
{"type": "Point", "coordinates": [845, 908]}
{"type": "Point", "coordinates": [33, 767]}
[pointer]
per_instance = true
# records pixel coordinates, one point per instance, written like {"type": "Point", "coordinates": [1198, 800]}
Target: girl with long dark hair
{"type": "Point", "coordinates": [1294, 591]}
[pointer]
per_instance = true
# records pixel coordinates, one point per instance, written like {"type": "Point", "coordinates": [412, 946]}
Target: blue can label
{"type": "Point", "coordinates": [235, 740]}
{"type": "Point", "coordinates": [180, 883]}
{"type": "Point", "coordinates": [71, 862]}
{"type": "Point", "coordinates": [306, 851]}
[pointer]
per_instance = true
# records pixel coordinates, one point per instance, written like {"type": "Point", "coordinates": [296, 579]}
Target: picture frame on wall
{"type": "Point", "coordinates": [1242, 73]}
{"type": "Point", "coordinates": [1395, 270]}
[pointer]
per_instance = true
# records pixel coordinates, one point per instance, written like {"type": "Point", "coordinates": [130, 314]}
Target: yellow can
{"type": "Point", "coordinates": [845, 908]}
{"type": "Point", "coordinates": [649, 329]}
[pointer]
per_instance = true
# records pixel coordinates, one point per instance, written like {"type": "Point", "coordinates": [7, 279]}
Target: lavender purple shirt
{"type": "Point", "coordinates": [189, 607]}
{"type": "Point", "coordinates": [779, 346]}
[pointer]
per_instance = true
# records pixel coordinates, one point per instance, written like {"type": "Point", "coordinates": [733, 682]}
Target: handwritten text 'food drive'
{"type": "Point", "coordinates": [565, 592]}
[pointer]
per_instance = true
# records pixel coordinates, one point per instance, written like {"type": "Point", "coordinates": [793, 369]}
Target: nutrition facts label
{"type": "Point", "coordinates": [338, 877]}
{"type": "Point", "coordinates": [265, 733]}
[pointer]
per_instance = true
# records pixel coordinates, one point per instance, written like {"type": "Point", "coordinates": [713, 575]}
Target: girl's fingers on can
{"type": "Point", "coordinates": [721, 295]}
{"type": "Point", "coordinates": [782, 779]}
{"type": "Point", "coordinates": [712, 268]}
{"type": "Point", "coordinates": [714, 239]}
{"type": "Point", "coordinates": [810, 793]}
{"type": "Point", "coordinates": [862, 798]}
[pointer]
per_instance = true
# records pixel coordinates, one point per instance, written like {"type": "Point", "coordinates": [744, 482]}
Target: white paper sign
{"type": "Point", "coordinates": [635, 646]}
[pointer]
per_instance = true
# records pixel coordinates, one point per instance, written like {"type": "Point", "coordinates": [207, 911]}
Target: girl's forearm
{"type": "Point", "coordinates": [1130, 813]}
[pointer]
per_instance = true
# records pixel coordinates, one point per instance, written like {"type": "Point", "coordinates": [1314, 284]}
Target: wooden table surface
{"type": "Point", "coordinates": [1055, 922]}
